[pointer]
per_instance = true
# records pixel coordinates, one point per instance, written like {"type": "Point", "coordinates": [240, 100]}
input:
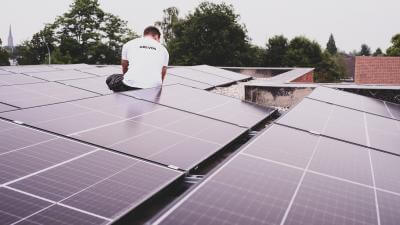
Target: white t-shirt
{"type": "Point", "coordinates": [146, 59]}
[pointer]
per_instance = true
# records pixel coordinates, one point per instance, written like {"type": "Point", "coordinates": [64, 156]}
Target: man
{"type": "Point", "coordinates": [144, 63]}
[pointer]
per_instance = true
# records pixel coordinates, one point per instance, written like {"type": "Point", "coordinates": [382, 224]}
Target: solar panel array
{"type": "Point", "coordinates": [74, 153]}
{"type": "Point", "coordinates": [309, 167]}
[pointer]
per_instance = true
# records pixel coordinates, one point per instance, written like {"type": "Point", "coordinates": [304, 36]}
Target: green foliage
{"type": "Point", "coordinates": [170, 18]}
{"type": "Point", "coordinates": [4, 56]}
{"type": "Point", "coordinates": [303, 53]}
{"type": "Point", "coordinates": [378, 52]}
{"type": "Point", "coordinates": [84, 34]}
{"type": "Point", "coordinates": [365, 50]}
{"type": "Point", "coordinates": [394, 50]}
{"type": "Point", "coordinates": [331, 45]}
{"type": "Point", "coordinates": [210, 35]}
{"type": "Point", "coordinates": [277, 47]}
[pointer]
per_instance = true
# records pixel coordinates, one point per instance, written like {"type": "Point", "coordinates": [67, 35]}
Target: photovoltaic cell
{"type": "Point", "coordinates": [340, 159]}
{"type": "Point", "coordinates": [95, 84]}
{"type": "Point", "coordinates": [205, 103]}
{"type": "Point", "coordinates": [29, 69]}
{"type": "Point", "coordinates": [346, 124]}
{"type": "Point", "coordinates": [389, 208]}
{"type": "Point", "coordinates": [14, 137]}
{"type": "Point", "coordinates": [15, 206]}
{"type": "Point", "coordinates": [171, 79]}
{"type": "Point", "coordinates": [72, 66]}
{"type": "Point", "coordinates": [60, 75]}
{"type": "Point", "coordinates": [31, 159]}
{"type": "Point", "coordinates": [309, 115]}
{"type": "Point", "coordinates": [383, 133]}
{"type": "Point", "coordinates": [295, 152]}
{"type": "Point", "coordinates": [323, 200]}
{"type": "Point", "coordinates": [246, 191]}
{"type": "Point", "coordinates": [199, 76]}
{"type": "Point", "coordinates": [30, 95]}
{"type": "Point", "coordinates": [220, 72]}
{"type": "Point", "coordinates": [102, 71]}
{"type": "Point", "coordinates": [387, 171]}
{"type": "Point", "coordinates": [57, 214]}
{"type": "Point", "coordinates": [350, 100]}
{"type": "Point", "coordinates": [103, 183]}
{"type": "Point", "coordinates": [4, 72]}
{"type": "Point", "coordinates": [15, 79]}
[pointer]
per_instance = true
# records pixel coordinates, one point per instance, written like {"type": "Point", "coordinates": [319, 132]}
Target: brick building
{"type": "Point", "coordinates": [377, 70]}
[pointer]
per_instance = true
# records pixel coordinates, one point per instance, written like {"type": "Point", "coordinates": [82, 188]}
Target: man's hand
{"type": "Point", "coordinates": [125, 65]}
{"type": "Point", "coordinates": [163, 73]}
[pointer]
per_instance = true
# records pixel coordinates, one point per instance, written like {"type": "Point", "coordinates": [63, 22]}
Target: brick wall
{"type": "Point", "coordinates": [306, 78]}
{"type": "Point", "coordinates": [377, 70]}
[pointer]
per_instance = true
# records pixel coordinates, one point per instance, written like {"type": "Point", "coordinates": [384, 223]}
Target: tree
{"type": "Point", "coordinates": [170, 18]}
{"type": "Point", "coordinates": [394, 50]}
{"type": "Point", "coordinates": [331, 45]}
{"type": "Point", "coordinates": [378, 52]}
{"type": "Point", "coordinates": [4, 56]}
{"type": "Point", "coordinates": [365, 50]}
{"type": "Point", "coordinates": [328, 69]}
{"type": "Point", "coordinates": [303, 53]}
{"type": "Point", "coordinates": [210, 35]}
{"type": "Point", "coordinates": [277, 47]}
{"type": "Point", "coordinates": [84, 34]}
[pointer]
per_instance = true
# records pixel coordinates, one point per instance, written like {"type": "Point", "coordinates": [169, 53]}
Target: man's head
{"type": "Point", "coordinates": [152, 32]}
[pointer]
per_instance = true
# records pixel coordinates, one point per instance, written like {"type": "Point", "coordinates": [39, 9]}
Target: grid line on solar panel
{"type": "Point", "coordinates": [6, 107]}
{"type": "Point", "coordinates": [60, 75]}
{"type": "Point", "coordinates": [200, 76]}
{"type": "Point", "coordinates": [93, 84]}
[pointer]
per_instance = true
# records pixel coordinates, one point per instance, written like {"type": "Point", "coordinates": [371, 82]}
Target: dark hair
{"type": "Point", "coordinates": [152, 31]}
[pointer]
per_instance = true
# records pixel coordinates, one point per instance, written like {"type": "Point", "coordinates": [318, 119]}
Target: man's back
{"type": "Point", "coordinates": [146, 59]}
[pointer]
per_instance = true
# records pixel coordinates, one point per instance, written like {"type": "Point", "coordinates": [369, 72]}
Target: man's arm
{"type": "Point", "coordinates": [125, 65]}
{"type": "Point", "coordinates": [163, 73]}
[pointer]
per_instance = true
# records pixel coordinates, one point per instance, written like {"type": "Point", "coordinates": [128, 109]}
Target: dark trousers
{"type": "Point", "coordinates": [116, 84]}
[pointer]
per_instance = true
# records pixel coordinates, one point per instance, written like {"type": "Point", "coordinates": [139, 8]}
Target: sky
{"type": "Point", "coordinates": [352, 22]}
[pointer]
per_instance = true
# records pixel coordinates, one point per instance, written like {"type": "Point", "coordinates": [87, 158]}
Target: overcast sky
{"type": "Point", "coordinates": [352, 22]}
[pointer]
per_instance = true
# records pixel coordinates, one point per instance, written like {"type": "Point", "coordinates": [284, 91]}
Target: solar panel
{"type": "Point", "coordinates": [389, 208]}
{"type": "Point", "coordinates": [102, 183]}
{"type": "Point", "coordinates": [30, 95]}
{"type": "Point", "coordinates": [5, 108]}
{"type": "Point", "coordinates": [60, 75]}
{"type": "Point", "coordinates": [57, 214]}
{"type": "Point", "coordinates": [386, 170]}
{"type": "Point", "coordinates": [119, 122]}
{"type": "Point", "coordinates": [296, 152]}
{"type": "Point", "coordinates": [71, 66]}
{"type": "Point", "coordinates": [247, 190]}
{"type": "Point", "coordinates": [323, 200]}
{"type": "Point", "coordinates": [29, 68]}
{"type": "Point", "coordinates": [351, 100]}
{"type": "Point", "coordinates": [103, 70]}
{"type": "Point", "coordinates": [345, 124]}
{"type": "Point", "coordinates": [95, 84]}
{"type": "Point", "coordinates": [4, 72]}
{"type": "Point", "coordinates": [7, 80]}
{"type": "Point", "coordinates": [221, 72]}
{"type": "Point", "coordinates": [200, 76]}
{"type": "Point", "coordinates": [171, 79]}
{"type": "Point", "coordinates": [205, 103]}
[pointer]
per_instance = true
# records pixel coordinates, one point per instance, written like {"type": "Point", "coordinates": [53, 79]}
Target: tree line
{"type": "Point", "coordinates": [211, 34]}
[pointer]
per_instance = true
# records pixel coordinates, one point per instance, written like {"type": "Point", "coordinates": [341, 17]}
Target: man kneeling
{"type": "Point", "coordinates": [144, 63]}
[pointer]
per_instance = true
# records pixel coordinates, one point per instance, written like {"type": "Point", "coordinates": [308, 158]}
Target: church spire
{"type": "Point", "coordinates": [10, 39]}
